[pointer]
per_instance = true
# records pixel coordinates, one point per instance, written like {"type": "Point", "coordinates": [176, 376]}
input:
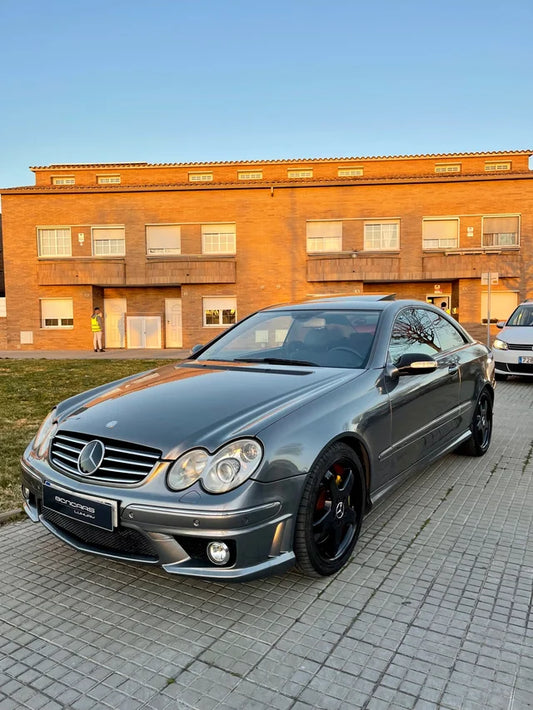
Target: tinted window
{"type": "Point", "coordinates": [413, 332]}
{"type": "Point", "coordinates": [448, 335]}
{"type": "Point", "coordinates": [418, 330]}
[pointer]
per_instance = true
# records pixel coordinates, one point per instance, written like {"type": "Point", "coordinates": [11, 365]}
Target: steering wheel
{"type": "Point", "coordinates": [344, 349]}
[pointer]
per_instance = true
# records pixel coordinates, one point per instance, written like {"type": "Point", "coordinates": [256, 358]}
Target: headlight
{"type": "Point", "coordinates": [45, 433]}
{"type": "Point", "coordinates": [218, 473]}
{"type": "Point", "coordinates": [500, 344]}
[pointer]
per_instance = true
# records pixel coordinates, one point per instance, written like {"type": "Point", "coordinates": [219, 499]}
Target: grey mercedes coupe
{"type": "Point", "coordinates": [264, 448]}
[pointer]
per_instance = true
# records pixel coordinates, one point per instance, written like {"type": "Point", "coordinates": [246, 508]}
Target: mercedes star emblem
{"type": "Point", "coordinates": [91, 456]}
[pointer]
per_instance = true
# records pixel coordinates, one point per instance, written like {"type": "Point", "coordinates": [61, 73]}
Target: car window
{"type": "Point", "coordinates": [418, 330]}
{"type": "Point", "coordinates": [413, 331]}
{"type": "Point", "coordinates": [448, 336]}
{"type": "Point", "coordinates": [522, 316]}
{"type": "Point", "coordinates": [322, 337]}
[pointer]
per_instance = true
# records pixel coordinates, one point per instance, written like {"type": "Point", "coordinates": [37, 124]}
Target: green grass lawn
{"type": "Point", "coordinates": [28, 391]}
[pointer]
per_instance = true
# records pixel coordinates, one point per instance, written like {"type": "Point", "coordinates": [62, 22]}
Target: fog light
{"type": "Point", "coordinates": [25, 492]}
{"type": "Point", "coordinates": [218, 553]}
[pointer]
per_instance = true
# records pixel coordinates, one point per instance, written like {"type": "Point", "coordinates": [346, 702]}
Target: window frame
{"type": "Point", "coordinates": [59, 326]}
{"type": "Point", "coordinates": [350, 171]}
{"type": "Point", "coordinates": [63, 180]}
{"type": "Point", "coordinates": [492, 166]}
{"type": "Point", "coordinates": [250, 174]}
{"type": "Point", "coordinates": [231, 250]}
{"type": "Point", "coordinates": [203, 176]}
{"type": "Point", "coordinates": [299, 173]}
{"type": "Point", "coordinates": [67, 254]}
{"type": "Point", "coordinates": [447, 168]}
{"type": "Point", "coordinates": [108, 227]}
{"type": "Point", "coordinates": [516, 243]}
{"type": "Point", "coordinates": [108, 179]}
{"type": "Point", "coordinates": [381, 222]}
{"type": "Point", "coordinates": [163, 251]}
{"type": "Point", "coordinates": [440, 247]}
{"type": "Point", "coordinates": [213, 303]}
{"type": "Point", "coordinates": [324, 238]}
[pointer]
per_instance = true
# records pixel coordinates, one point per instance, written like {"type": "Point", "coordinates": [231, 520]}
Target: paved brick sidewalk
{"type": "Point", "coordinates": [431, 613]}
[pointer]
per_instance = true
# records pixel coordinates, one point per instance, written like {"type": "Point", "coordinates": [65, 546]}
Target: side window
{"type": "Point", "coordinates": [414, 331]}
{"type": "Point", "coordinates": [448, 335]}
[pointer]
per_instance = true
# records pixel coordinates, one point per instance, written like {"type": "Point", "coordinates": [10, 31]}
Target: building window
{"type": "Point", "coordinates": [440, 233]}
{"type": "Point", "coordinates": [448, 168]}
{"type": "Point", "coordinates": [108, 179]}
{"type": "Point", "coordinates": [163, 239]}
{"type": "Point", "coordinates": [218, 239]}
{"type": "Point", "coordinates": [349, 172]}
{"type": "Point", "coordinates": [66, 180]}
{"type": "Point", "coordinates": [220, 311]}
{"type": "Point", "coordinates": [324, 236]}
{"type": "Point", "coordinates": [200, 177]}
{"type": "Point", "coordinates": [382, 236]}
{"type": "Point", "coordinates": [108, 241]}
{"type": "Point", "coordinates": [299, 173]}
{"type": "Point", "coordinates": [494, 166]}
{"type": "Point", "coordinates": [501, 231]}
{"type": "Point", "coordinates": [249, 175]}
{"type": "Point", "coordinates": [54, 242]}
{"type": "Point", "coordinates": [56, 313]}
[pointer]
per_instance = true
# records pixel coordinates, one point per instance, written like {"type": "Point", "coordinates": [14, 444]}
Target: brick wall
{"type": "Point", "coordinates": [271, 264]}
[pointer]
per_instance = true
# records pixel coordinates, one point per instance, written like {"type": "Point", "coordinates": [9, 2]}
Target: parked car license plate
{"type": "Point", "coordinates": [100, 512]}
{"type": "Point", "coordinates": [525, 360]}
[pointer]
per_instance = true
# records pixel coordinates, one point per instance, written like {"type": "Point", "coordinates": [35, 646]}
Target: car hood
{"type": "Point", "coordinates": [517, 335]}
{"type": "Point", "coordinates": [174, 408]}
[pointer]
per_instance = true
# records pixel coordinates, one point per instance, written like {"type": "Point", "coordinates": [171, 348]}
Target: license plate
{"type": "Point", "coordinates": [526, 360]}
{"type": "Point", "coordinates": [100, 512]}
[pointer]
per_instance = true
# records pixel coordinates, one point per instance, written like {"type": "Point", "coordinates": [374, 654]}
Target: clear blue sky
{"type": "Point", "coordinates": [209, 80]}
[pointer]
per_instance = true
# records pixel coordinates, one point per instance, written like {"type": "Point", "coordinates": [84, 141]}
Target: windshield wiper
{"type": "Point", "coordinates": [275, 361]}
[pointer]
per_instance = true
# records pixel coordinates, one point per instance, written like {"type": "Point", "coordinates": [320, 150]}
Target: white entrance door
{"type": "Point", "coordinates": [144, 332]}
{"type": "Point", "coordinates": [115, 322]}
{"type": "Point", "coordinates": [173, 323]}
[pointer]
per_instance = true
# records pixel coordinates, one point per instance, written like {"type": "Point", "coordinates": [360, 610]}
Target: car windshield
{"type": "Point", "coordinates": [522, 316]}
{"type": "Point", "coordinates": [323, 338]}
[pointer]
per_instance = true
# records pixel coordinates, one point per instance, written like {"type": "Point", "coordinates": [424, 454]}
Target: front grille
{"type": "Point", "coordinates": [520, 369]}
{"type": "Point", "coordinates": [121, 540]}
{"type": "Point", "coordinates": [519, 347]}
{"type": "Point", "coordinates": [123, 463]}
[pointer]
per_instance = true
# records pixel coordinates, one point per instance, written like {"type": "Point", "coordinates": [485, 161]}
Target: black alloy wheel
{"type": "Point", "coordinates": [481, 428]}
{"type": "Point", "coordinates": [331, 512]}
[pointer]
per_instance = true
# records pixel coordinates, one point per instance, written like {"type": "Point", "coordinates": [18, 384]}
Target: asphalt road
{"type": "Point", "coordinates": [432, 612]}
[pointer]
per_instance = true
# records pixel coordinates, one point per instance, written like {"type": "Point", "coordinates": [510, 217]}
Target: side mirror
{"type": "Point", "coordinates": [196, 348]}
{"type": "Point", "coordinates": [415, 364]}
{"type": "Point", "coordinates": [500, 324]}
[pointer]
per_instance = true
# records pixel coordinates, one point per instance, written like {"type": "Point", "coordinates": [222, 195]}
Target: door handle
{"type": "Point", "coordinates": [452, 369]}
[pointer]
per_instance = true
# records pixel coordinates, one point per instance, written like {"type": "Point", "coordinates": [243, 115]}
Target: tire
{"type": "Point", "coordinates": [481, 428]}
{"type": "Point", "coordinates": [331, 512]}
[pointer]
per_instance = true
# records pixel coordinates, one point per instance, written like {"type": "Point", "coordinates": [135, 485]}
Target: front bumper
{"type": "Point", "coordinates": [507, 362]}
{"type": "Point", "coordinates": [258, 530]}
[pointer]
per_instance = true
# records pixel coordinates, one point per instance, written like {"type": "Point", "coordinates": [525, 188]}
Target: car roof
{"type": "Point", "coordinates": [347, 303]}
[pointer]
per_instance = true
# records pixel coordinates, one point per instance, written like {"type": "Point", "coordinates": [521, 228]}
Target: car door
{"type": "Point", "coordinates": [425, 412]}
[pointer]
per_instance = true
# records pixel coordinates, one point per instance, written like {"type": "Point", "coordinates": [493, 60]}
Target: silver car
{"type": "Point", "coordinates": [513, 348]}
{"type": "Point", "coordinates": [266, 447]}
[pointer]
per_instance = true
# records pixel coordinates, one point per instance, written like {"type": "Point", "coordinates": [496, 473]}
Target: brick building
{"type": "Point", "coordinates": [173, 253]}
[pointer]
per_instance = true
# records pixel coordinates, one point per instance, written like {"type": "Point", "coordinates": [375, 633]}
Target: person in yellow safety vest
{"type": "Point", "coordinates": [444, 306]}
{"type": "Point", "coordinates": [97, 327]}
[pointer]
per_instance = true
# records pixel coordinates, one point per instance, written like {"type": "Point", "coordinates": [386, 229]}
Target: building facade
{"type": "Point", "coordinates": [175, 253]}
